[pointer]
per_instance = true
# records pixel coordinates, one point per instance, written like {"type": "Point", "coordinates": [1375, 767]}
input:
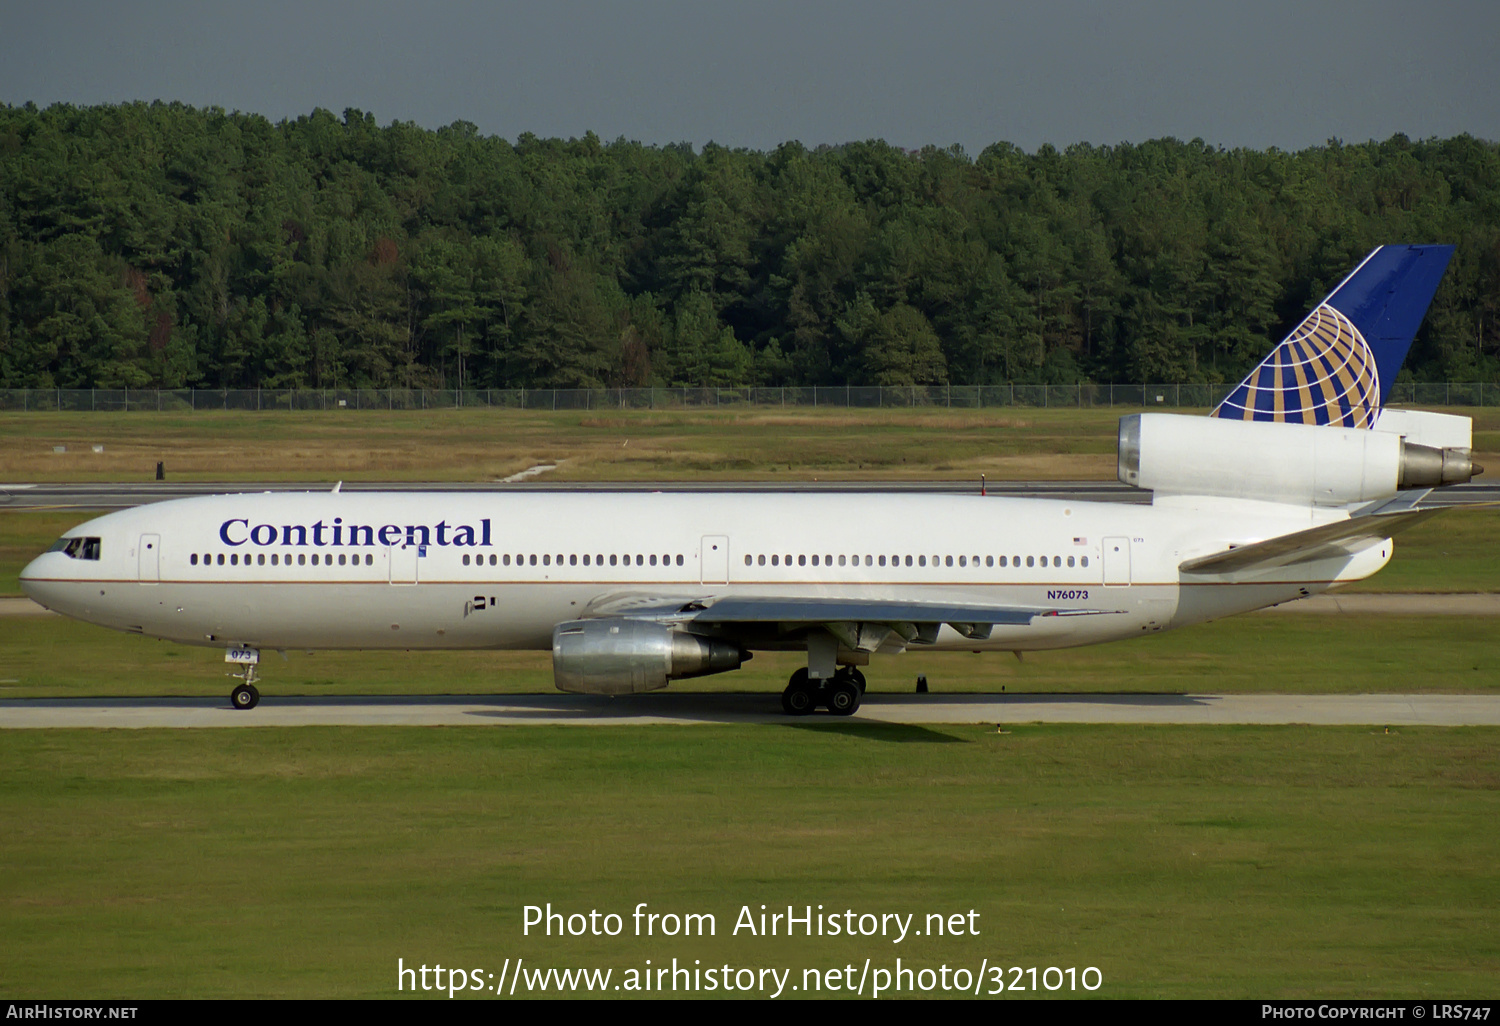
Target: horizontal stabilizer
{"type": "Point", "coordinates": [1330, 541]}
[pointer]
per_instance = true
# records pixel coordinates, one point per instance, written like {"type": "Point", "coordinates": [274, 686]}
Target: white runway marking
{"type": "Point", "coordinates": [1374, 710]}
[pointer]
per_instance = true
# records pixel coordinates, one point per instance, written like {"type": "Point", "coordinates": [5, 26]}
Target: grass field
{"type": "Point", "coordinates": [743, 443]}
{"type": "Point", "coordinates": [1182, 862]}
{"type": "Point", "coordinates": [1255, 653]}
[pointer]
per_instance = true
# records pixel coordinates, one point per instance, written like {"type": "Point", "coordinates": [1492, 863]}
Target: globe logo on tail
{"type": "Point", "coordinates": [1324, 373]}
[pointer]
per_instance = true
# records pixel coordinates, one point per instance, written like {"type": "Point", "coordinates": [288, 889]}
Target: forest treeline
{"type": "Point", "coordinates": [165, 245]}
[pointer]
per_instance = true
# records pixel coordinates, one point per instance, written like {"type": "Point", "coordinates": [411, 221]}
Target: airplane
{"type": "Point", "coordinates": [1295, 483]}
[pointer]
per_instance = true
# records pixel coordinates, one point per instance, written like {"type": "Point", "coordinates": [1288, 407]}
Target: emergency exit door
{"type": "Point", "coordinates": [1116, 561]}
{"type": "Point", "coordinates": [714, 559]}
{"type": "Point", "coordinates": [150, 559]}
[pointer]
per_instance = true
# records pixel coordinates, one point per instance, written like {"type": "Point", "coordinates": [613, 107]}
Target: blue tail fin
{"type": "Point", "coordinates": [1337, 367]}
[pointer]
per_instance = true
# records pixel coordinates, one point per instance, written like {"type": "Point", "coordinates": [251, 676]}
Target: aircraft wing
{"type": "Point", "coordinates": [1342, 537]}
{"type": "Point", "coordinates": [860, 623]}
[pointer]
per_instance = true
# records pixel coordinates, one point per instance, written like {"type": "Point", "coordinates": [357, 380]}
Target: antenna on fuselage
{"type": "Point", "coordinates": [337, 487]}
{"type": "Point", "coordinates": [981, 484]}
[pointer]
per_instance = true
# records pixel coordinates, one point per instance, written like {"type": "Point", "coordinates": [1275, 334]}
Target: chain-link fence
{"type": "Point", "coordinates": [1453, 393]}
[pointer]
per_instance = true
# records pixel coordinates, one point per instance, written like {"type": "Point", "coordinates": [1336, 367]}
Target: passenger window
{"type": "Point", "coordinates": [234, 559]}
{"type": "Point", "coordinates": [815, 560]}
{"type": "Point", "coordinates": [841, 561]}
{"type": "Point", "coordinates": [761, 560]}
{"type": "Point", "coordinates": [801, 560]}
{"type": "Point", "coordinates": [546, 560]}
{"type": "Point", "coordinates": [947, 560]}
{"type": "Point", "coordinates": [869, 559]}
{"type": "Point", "coordinates": [775, 560]}
{"type": "Point", "coordinates": [962, 561]}
{"type": "Point", "coordinates": [640, 560]}
{"type": "Point", "coordinates": [653, 559]}
{"type": "Point", "coordinates": [369, 559]}
{"type": "Point", "coordinates": [1031, 561]}
{"type": "Point", "coordinates": [882, 561]}
{"type": "Point", "coordinates": [1070, 560]}
{"type": "Point", "coordinates": [301, 558]}
{"type": "Point", "coordinates": [572, 559]}
{"type": "Point", "coordinates": [989, 560]}
{"type": "Point", "coordinates": [466, 559]}
{"type": "Point", "coordinates": [1085, 561]}
{"type": "Point", "coordinates": [1002, 561]}
{"type": "Point", "coordinates": [612, 560]}
{"type": "Point", "coordinates": [585, 559]}
{"type": "Point", "coordinates": [193, 559]}
{"type": "Point", "coordinates": [260, 559]}
{"type": "Point", "coordinates": [908, 561]}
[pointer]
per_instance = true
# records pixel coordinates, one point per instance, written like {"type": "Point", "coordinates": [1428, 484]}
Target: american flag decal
{"type": "Point", "coordinates": [1080, 541]}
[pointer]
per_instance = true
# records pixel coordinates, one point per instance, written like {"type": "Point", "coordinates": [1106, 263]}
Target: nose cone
{"type": "Point", "coordinates": [34, 579]}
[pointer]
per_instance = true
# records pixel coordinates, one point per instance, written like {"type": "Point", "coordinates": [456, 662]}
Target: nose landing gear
{"type": "Point", "coordinates": [245, 694]}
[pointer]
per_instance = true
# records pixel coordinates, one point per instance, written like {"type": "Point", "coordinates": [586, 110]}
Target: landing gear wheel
{"type": "Point", "coordinates": [853, 674]}
{"type": "Point", "coordinates": [244, 697]}
{"type": "Point", "coordinates": [843, 696]}
{"type": "Point", "coordinates": [799, 698]}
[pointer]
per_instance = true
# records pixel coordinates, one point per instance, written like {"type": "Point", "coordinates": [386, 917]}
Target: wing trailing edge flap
{"type": "Point", "coordinates": [1370, 523]}
{"type": "Point", "coordinates": [863, 625]}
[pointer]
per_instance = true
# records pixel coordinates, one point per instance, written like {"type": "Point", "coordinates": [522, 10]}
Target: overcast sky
{"type": "Point", "coordinates": [1258, 74]}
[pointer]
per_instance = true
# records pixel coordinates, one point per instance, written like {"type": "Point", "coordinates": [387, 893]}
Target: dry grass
{"type": "Point", "coordinates": [481, 445]}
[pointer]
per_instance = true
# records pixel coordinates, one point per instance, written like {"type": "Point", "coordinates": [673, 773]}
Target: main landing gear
{"type": "Point", "coordinates": [840, 694]}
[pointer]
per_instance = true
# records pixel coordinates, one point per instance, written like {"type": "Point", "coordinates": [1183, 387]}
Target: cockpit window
{"type": "Point", "coordinates": [77, 548]}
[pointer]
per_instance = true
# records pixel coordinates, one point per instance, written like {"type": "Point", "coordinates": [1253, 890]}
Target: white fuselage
{"type": "Point", "coordinates": [496, 570]}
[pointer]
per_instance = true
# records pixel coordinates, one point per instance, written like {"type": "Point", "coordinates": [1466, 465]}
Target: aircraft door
{"type": "Point", "coordinates": [150, 558]}
{"type": "Point", "coordinates": [403, 564]}
{"type": "Point", "coordinates": [1116, 561]}
{"type": "Point", "coordinates": [714, 559]}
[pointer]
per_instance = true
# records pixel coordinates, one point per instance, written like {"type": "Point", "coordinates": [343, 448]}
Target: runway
{"type": "Point", "coordinates": [695, 709]}
{"type": "Point", "coordinates": [108, 496]}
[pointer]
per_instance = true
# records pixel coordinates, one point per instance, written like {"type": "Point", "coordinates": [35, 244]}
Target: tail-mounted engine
{"type": "Point", "coordinates": [1307, 464]}
{"type": "Point", "coordinates": [622, 657]}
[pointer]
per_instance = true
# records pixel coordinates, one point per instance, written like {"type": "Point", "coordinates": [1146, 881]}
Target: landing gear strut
{"type": "Point", "coordinates": [245, 694]}
{"type": "Point", "coordinates": [840, 694]}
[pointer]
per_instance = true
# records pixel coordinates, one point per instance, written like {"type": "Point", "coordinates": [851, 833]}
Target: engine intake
{"type": "Point", "coordinates": [623, 657]}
